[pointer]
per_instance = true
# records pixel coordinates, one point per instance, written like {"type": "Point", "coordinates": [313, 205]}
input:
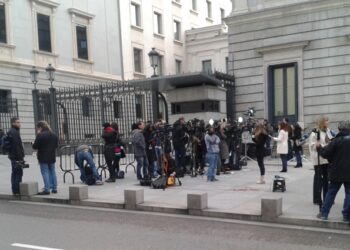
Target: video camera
{"type": "Point", "coordinates": [317, 132]}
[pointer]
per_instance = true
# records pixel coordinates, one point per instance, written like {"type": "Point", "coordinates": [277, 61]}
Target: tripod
{"type": "Point", "coordinates": [246, 138]}
{"type": "Point", "coordinates": [163, 161]}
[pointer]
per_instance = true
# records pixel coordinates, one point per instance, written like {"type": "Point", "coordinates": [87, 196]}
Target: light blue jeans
{"type": "Point", "coordinates": [49, 176]}
{"type": "Point", "coordinates": [213, 159]}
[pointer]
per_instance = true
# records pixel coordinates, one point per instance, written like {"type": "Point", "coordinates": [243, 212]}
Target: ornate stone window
{"type": "Point", "coordinates": [81, 33]}
{"type": "Point", "coordinates": [44, 35]}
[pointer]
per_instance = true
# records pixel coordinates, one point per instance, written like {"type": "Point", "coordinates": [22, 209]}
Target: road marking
{"type": "Point", "coordinates": [33, 247]}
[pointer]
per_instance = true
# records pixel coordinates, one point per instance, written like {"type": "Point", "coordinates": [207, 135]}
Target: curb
{"type": "Point", "coordinates": [148, 207]}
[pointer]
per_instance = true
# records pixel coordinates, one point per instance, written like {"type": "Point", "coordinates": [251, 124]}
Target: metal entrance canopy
{"type": "Point", "coordinates": [165, 83]}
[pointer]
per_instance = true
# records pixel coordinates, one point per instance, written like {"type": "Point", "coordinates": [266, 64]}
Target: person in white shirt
{"type": "Point", "coordinates": [282, 144]}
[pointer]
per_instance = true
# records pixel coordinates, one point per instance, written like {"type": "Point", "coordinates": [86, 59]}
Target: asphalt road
{"type": "Point", "coordinates": [49, 227]}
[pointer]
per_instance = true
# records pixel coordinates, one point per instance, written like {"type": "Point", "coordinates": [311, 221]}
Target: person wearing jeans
{"type": "Point", "coordinates": [84, 153]}
{"type": "Point", "coordinates": [46, 142]}
{"type": "Point", "coordinates": [140, 150]}
{"type": "Point", "coordinates": [297, 148]}
{"type": "Point", "coordinates": [212, 142]}
{"type": "Point", "coordinates": [337, 153]}
{"type": "Point", "coordinates": [49, 177]}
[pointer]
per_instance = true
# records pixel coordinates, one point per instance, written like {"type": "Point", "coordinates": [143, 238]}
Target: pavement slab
{"type": "Point", "coordinates": [236, 192]}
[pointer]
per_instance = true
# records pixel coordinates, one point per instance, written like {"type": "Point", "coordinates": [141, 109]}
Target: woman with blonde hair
{"type": "Point", "coordinates": [46, 142]}
{"type": "Point", "coordinates": [260, 138]}
{"type": "Point", "coordinates": [322, 134]}
{"type": "Point", "coordinates": [282, 144]}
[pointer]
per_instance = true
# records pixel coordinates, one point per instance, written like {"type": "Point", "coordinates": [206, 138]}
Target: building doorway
{"type": "Point", "coordinates": [283, 93]}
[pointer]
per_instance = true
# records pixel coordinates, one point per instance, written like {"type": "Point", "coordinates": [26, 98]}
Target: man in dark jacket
{"type": "Point", "coordinates": [46, 142]}
{"type": "Point", "coordinates": [140, 151]}
{"type": "Point", "coordinates": [179, 142]}
{"type": "Point", "coordinates": [15, 154]}
{"type": "Point", "coordinates": [337, 153]}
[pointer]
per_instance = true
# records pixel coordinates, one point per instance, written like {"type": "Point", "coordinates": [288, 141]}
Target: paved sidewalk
{"type": "Point", "coordinates": [235, 193]}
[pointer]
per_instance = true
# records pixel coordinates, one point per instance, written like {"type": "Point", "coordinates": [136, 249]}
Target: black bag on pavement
{"type": "Point", "coordinates": [121, 174]}
{"type": "Point", "coordinates": [146, 182]}
{"type": "Point", "coordinates": [90, 180]}
{"type": "Point", "coordinates": [160, 182]}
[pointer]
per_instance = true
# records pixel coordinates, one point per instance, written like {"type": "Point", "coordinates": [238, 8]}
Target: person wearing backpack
{"type": "Point", "coordinates": [46, 142]}
{"type": "Point", "coordinates": [15, 153]}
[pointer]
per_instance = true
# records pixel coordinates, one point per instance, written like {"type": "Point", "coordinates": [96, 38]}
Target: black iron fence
{"type": "Point", "coordinates": [8, 109]}
{"type": "Point", "coordinates": [77, 114]}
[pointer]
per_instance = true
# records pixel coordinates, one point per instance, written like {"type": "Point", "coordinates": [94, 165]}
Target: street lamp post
{"type": "Point", "coordinates": [35, 94]}
{"type": "Point", "coordinates": [34, 76]}
{"type": "Point", "coordinates": [50, 71]}
{"type": "Point", "coordinates": [154, 60]}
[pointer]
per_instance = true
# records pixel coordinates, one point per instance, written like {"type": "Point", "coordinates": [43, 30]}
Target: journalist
{"type": "Point", "coordinates": [297, 147]}
{"type": "Point", "coordinates": [179, 141]}
{"type": "Point", "coordinates": [140, 150]}
{"type": "Point", "coordinates": [46, 142]}
{"type": "Point", "coordinates": [322, 134]}
{"type": "Point", "coordinates": [84, 153]}
{"type": "Point", "coordinates": [212, 142]}
{"type": "Point", "coordinates": [110, 137]}
{"type": "Point", "coordinates": [260, 138]}
{"type": "Point", "coordinates": [282, 144]}
{"type": "Point", "coordinates": [15, 154]}
{"type": "Point", "coordinates": [337, 153]}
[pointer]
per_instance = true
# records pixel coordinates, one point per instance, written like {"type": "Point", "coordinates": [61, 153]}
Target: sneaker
{"type": "Point", "coordinates": [322, 217]}
{"type": "Point", "coordinates": [214, 179]}
{"type": "Point", "coordinates": [54, 191]}
{"type": "Point", "coordinates": [98, 182]}
{"type": "Point", "coordinates": [44, 193]}
{"type": "Point", "coordinates": [109, 180]}
{"type": "Point", "coordinates": [283, 171]}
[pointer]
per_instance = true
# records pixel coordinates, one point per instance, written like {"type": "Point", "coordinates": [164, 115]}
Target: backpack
{"type": "Point", "coordinates": [120, 174]}
{"type": "Point", "coordinates": [5, 144]}
{"type": "Point", "coordinates": [119, 151]}
{"type": "Point", "coordinates": [90, 180]}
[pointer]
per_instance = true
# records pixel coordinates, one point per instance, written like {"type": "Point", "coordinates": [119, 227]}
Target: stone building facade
{"type": "Point", "coordinates": [291, 58]}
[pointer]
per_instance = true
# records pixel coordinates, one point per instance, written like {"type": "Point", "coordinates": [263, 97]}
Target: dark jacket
{"type": "Point", "coordinates": [46, 143]}
{"type": "Point", "coordinates": [179, 135]}
{"type": "Point", "coordinates": [260, 145]}
{"type": "Point", "coordinates": [110, 136]}
{"type": "Point", "coordinates": [296, 136]}
{"type": "Point", "coordinates": [16, 152]}
{"type": "Point", "coordinates": [337, 153]}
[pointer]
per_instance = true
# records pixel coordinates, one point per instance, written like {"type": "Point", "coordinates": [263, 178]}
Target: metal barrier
{"type": "Point", "coordinates": [67, 163]}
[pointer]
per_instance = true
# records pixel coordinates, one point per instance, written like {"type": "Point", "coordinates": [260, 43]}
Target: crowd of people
{"type": "Point", "coordinates": [153, 145]}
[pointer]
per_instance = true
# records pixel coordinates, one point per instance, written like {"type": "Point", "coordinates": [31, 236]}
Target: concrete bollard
{"type": "Point", "coordinates": [28, 188]}
{"type": "Point", "coordinates": [271, 207]}
{"type": "Point", "coordinates": [133, 197]}
{"type": "Point", "coordinates": [78, 192]}
{"type": "Point", "coordinates": [197, 201]}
